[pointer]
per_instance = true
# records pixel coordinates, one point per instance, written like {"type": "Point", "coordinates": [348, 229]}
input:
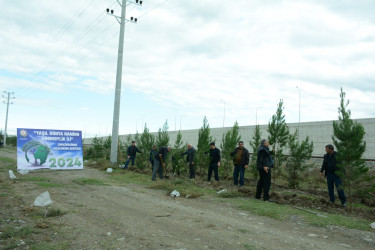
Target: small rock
{"type": "Point", "coordinates": [325, 237]}
{"type": "Point", "coordinates": [345, 245]}
{"type": "Point", "coordinates": [372, 225]}
{"type": "Point", "coordinates": [243, 214]}
{"type": "Point", "coordinates": [109, 170]}
{"type": "Point", "coordinates": [21, 222]}
{"type": "Point", "coordinates": [312, 235]}
{"type": "Point", "coordinates": [21, 243]}
{"type": "Point", "coordinates": [109, 234]}
{"type": "Point", "coordinates": [121, 239]}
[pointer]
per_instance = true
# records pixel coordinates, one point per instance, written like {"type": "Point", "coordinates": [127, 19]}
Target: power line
{"type": "Point", "coordinates": [80, 36]}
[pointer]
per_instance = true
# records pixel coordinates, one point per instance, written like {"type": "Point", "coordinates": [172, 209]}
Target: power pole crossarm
{"type": "Point", "coordinates": [8, 101]}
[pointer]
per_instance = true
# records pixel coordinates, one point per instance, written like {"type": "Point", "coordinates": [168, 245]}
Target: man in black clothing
{"type": "Point", "coordinates": [153, 154]}
{"type": "Point", "coordinates": [159, 162]}
{"type": "Point", "coordinates": [329, 167]}
{"type": "Point", "coordinates": [132, 152]}
{"type": "Point", "coordinates": [264, 165]}
{"type": "Point", "coordinates": [190, 154]}
{"type": "Point", "coordinates": [214, 162]}
{"type": "Point", "coordinates": [241, 161]}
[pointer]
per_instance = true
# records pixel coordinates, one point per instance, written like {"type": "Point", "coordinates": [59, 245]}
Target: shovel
{"type": "Point", "coordinates": [165, 172]}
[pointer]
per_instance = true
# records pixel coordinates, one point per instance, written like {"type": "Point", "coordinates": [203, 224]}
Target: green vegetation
{"type": "Point", "coordinates": [204, 139]}
{"type": "Point", "coordinates": [12, 232]}
{"type": "Point", "coordinates": [278, 138]}
{"type": "Point", "coordinates": [254, 144]}
{"type": "Point", "coordinates": [90, 181]}
{"type": "Point", "coordinates": [348, 139]}
{"type": "Point", "coordinates": [229, 143]}
{"type": "Point", "coordinates": [54, 212]}
{"type": "Point", "coordinates": [300, 152]}
{"type": "Point", "coordinates": [162, 139]}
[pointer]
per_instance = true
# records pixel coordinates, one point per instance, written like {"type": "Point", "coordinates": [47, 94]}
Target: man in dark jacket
{"type": "Point", "coordinates": [264, 165]}
{"type": "Point", "coordinates": [159, 162]}
{"type": "Point", "coordinates": [241, 161]}
{"type": "Point", "coordinates": [153, 154]}
{"type": "Point", "coordinates": [214, 162]}
{"type": "Point", "coordinates": [190, 154]}
{"type": "Point", "coordinates": [329, 167]}
{"type": "Point", "coordinates": [132, 152]}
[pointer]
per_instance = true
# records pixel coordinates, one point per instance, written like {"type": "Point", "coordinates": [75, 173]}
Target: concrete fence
{"type": "Point", "coordinates": [319, 132]}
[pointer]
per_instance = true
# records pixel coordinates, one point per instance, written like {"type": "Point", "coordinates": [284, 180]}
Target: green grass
{"type": "Point", "coordinates": [185, 187]}
{"type": "Point", "coordinates": [284, 212]}
{"type": "Point", "coordinates": [54, 212]}
{"type": "Point", "coordinates": [4, 195]}
{"type": "Point", "coordinates": [48, 185]}
{"type": "Point", "coordinates": [8, 160]}
{"type": "Point", "coordinates": [243, 230]}
{"type": "Point", "coordinates": [230, 194]}
{"type": "Point", "coordinates": [248, 247]}
{"type": "Point", "coordinates": [34, 178]}
{"type": "Point", "coordinates": [90, 181]}
{"type": "Point", "coordinates": [11, 232]}
{"type": "Point", "coordinates": [51, 246]}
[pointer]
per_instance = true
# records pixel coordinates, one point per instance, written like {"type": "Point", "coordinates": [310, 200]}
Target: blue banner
{"type": "Point", "coordinates": [49, 148]}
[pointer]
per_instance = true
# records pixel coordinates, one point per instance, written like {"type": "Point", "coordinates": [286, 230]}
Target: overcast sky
{"type": "Point", "coordinates": [185, 59]}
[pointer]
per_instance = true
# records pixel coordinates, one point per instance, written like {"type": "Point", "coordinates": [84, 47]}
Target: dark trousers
{"type": "Point", "coordinates": [128, 160]}
{"type": "Point", "coordinates": [158, 168]}
{"type": "Point", "coordinates": [238, 170]}
{"type": "Point", "coordinates": [333, 179]}
{"type": "Point", "coordinates": [152, 164]}
{"type": "Point", "coordinates": [191, 171]}
{"type": "Point", "coordinates": [264, 184]}
{"type": "Point", "coordinates": [213, 167]}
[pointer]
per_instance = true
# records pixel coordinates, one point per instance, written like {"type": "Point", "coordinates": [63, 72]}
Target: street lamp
{"type": "Point", "coordinates": [221, 100]}
{"type": "Point", "coordinates": [180, 120]}
{"type": "Point", "coordinates": [299, 107]}
{"type": "Point", "coordinates": [256, 115]}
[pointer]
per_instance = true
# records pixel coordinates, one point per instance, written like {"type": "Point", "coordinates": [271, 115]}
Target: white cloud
{"type": "Point", "coordinates": [188, 55]}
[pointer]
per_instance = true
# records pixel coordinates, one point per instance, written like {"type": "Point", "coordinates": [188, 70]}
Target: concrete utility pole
{"type": "Point", "coordinates": [116, 110]}
{"type": "Point", "coordinates": [8, 98]}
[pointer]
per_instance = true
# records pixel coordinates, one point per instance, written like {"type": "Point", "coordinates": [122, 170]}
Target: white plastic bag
{"type": "Point", "coordinates": [109, 170]}
{"type": "Point", "coordinates": [222, 191]}
{"type": "Point", "coordinates": [11, 175]}
{"type": "Point", "coordinates": [43, 200]}
{"type": "Point", "coordinates": [23, 171]}
{"type": "Point", "coordinates": [175, 193]}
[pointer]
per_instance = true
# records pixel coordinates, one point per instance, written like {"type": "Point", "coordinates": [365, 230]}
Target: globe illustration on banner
{"type": "Point", "coordinates": [39, 151]}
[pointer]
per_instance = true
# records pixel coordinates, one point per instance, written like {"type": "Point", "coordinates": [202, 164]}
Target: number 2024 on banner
{"type": "Point", "coordinates": [64, 162]}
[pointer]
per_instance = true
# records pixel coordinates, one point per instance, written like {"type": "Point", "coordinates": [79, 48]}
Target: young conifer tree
{"type": "Point", "coordinates": [278, 138]}
{"type": "Point", "coordinates": [145, 142]}
{"type": "Point", "coordinates": [178, 148]}
{"type": "Point", "coordinates": [204, 139]}
{"type": "Point", "coordinates": [162, 138]}
{"type": "Point", "coordinates": [300, 152]}
{"type": "Point", "coordinates": [348, 139]}
{"type": "Point", "coordinates": [228, 144]}
{"type": "Point", "coordinates": [254, 144]}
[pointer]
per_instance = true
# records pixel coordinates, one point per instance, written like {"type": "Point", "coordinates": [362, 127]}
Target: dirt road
{"type": "Point", "coordinates": [133, 217]}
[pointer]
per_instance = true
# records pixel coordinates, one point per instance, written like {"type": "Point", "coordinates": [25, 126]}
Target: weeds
{"type": "Point", "coordinates": [90, 181]}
